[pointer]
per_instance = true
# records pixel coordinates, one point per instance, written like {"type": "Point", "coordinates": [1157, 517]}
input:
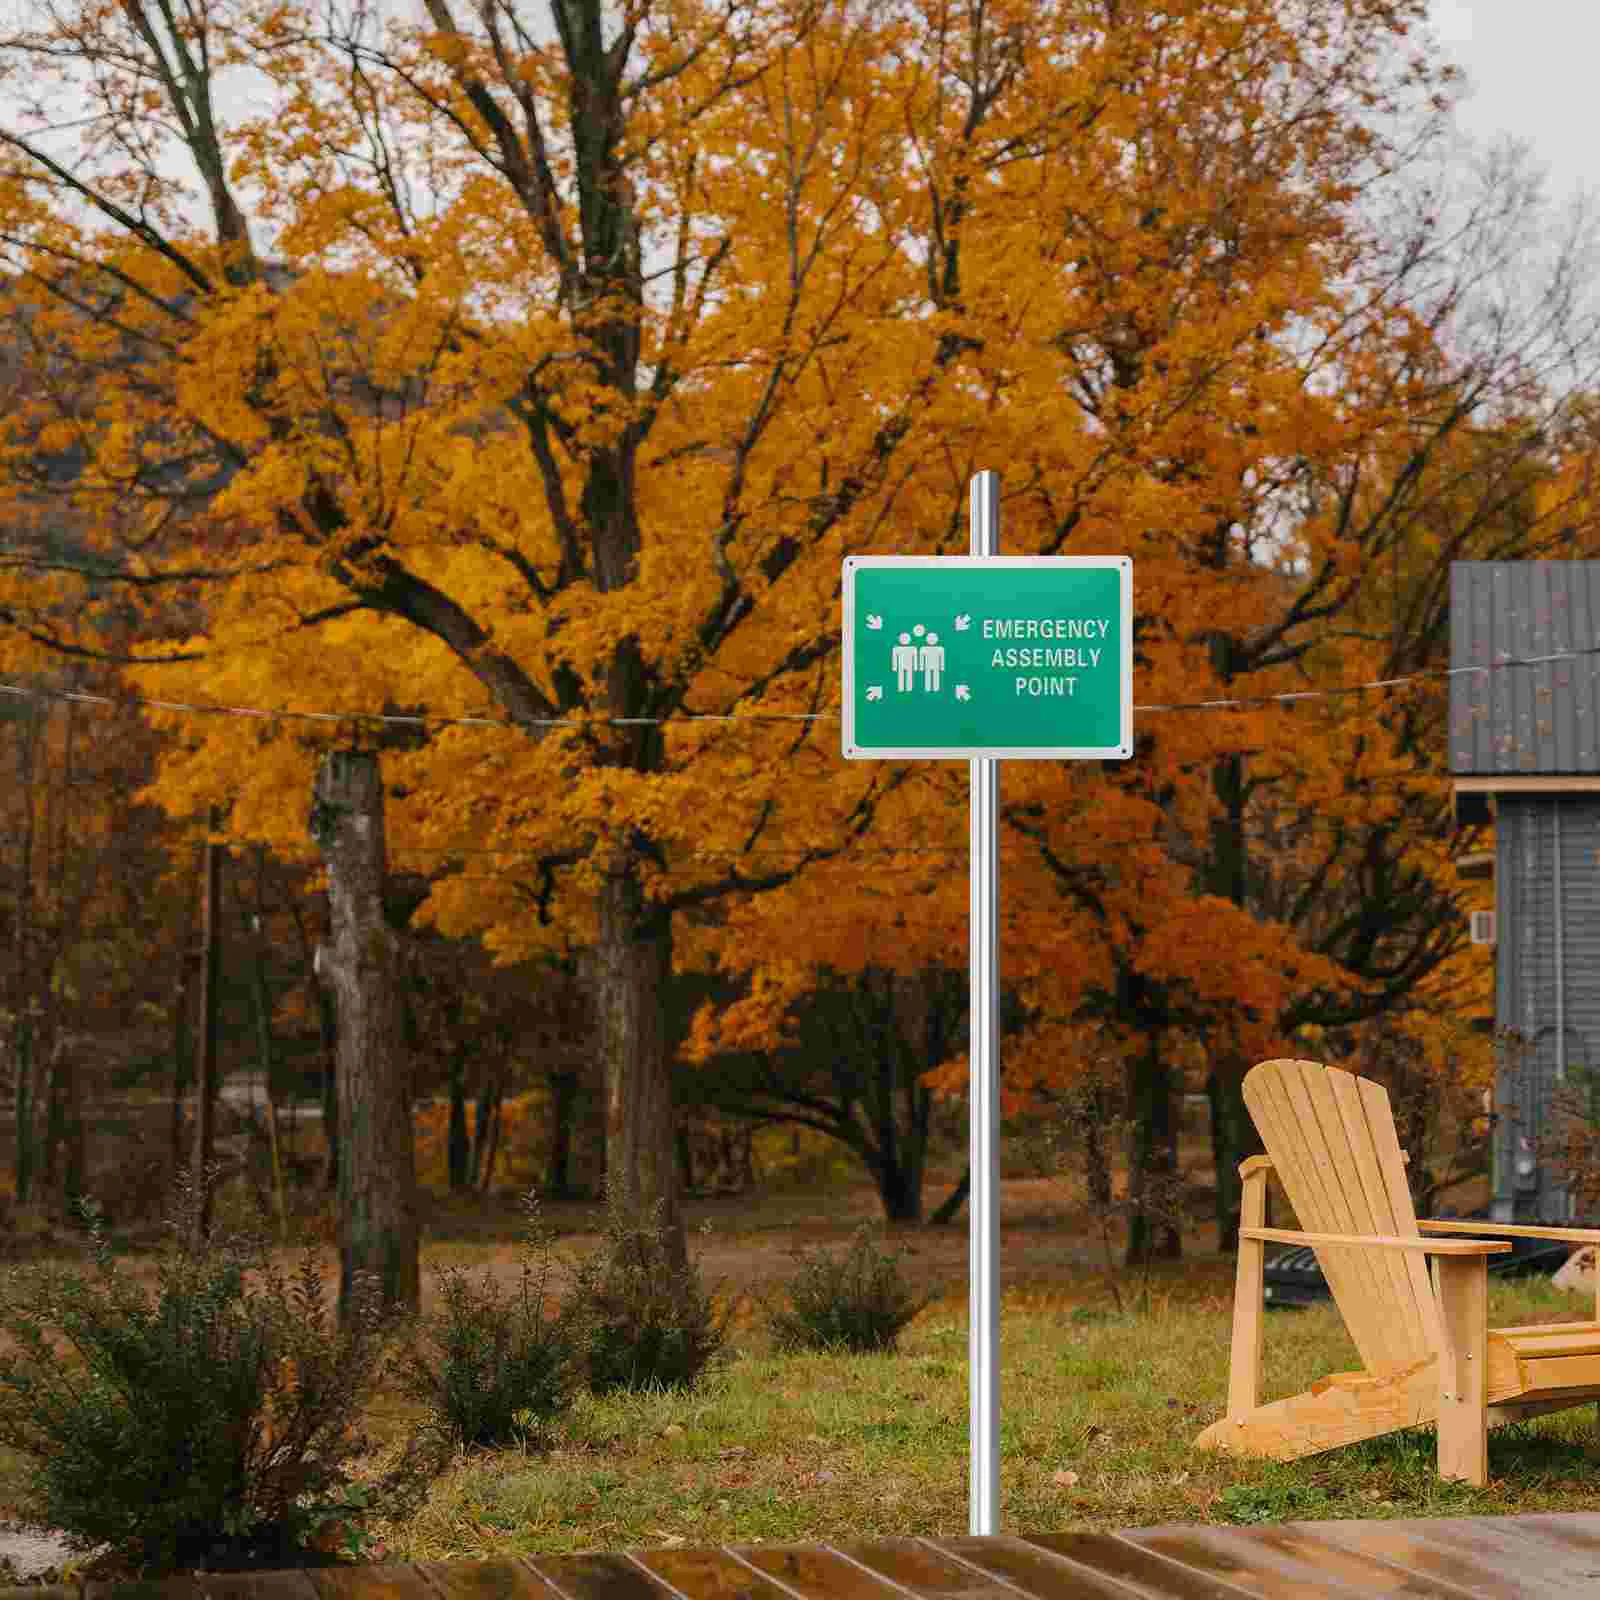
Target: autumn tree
{"type": "Point", "coordinates": [545, 376]}
{"type": "Point", "coordinates": [844, 1054]}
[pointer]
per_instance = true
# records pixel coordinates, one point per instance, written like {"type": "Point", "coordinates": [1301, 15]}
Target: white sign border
{"type": "Point", "coordinates": [1111, 752]}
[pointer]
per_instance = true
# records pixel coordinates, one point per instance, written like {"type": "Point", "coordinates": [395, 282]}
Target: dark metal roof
{"type": "Point", "coordinates": [1534, 721]}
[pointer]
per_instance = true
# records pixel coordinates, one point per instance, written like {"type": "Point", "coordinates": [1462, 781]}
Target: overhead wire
{"type": "Point", "coordinates": [426, 720]}
{"type": "Point", "coordinates": [261, 713]}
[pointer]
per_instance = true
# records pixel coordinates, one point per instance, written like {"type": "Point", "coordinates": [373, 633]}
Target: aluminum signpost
{"type": "Point", "coordinates": [980, 659]}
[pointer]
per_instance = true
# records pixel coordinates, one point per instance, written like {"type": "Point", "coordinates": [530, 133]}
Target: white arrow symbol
{"type": "Point", "coordinates": [875, 693]}
{"type": "Point", "coordinates": [963, 692]}
{"type": "Point", "coordinates": [963, 622]}
{"type": "Point", "coordinates": [874, 622]}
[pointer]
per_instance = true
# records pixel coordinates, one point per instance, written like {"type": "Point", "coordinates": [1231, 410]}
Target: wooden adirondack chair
{"type": "Point", "coordinates": [1428, 1352]}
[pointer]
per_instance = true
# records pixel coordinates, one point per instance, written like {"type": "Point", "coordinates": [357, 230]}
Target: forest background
{"type": "Point", "coordinates": [524, 376]}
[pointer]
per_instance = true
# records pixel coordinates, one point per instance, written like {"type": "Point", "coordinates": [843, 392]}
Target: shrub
{"type": "Point", "coordinates": [856, 1302]}
{"type": "Point", "coordinates": [212, 1426]}
{"type": "Point", "coordinates": [641, 1323]}
{"type": "Point", "coordinates": [493, 1371]}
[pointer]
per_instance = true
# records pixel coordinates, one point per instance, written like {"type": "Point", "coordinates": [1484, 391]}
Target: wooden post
{"type": "Point", "coordinates": [1244, 1359]}
{"type": "Point", "coordinates": [205, 1111]}
{"type": "Point", "coordinates": [1463, 1388]}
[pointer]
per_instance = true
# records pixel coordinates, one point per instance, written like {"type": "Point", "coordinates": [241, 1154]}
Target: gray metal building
{"type": "Point", "coordinates": [1525, 750]}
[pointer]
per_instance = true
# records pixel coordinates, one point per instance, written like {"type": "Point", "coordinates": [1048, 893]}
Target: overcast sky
{"type": "Point", "coordinates": [1531, 66]}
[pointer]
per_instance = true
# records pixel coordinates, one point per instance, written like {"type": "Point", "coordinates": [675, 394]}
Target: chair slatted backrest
{"type": "Point", "coordinates": [1330, 1136]}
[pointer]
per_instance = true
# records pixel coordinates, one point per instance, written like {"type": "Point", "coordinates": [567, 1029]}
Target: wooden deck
{"type": "Point", "coordinates": [1466, 1558]}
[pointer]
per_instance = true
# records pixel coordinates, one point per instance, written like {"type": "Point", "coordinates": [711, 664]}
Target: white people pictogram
{"type": "Point", "coordinates": [904, 660]}
{"type": "Point", "coordinates": [918, 650]}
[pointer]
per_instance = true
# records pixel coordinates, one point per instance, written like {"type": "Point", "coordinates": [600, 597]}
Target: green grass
{"type": "Point", "coordinates": [1099, 1413]}
{"type": "Point", "coordinates": [1098, 1419]}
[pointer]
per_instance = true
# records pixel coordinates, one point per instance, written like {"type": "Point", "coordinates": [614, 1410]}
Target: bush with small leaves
{"type": "Point", "coordinates": [493, 1371]}
{"type": "Point", "coordinates": [857, 1302]}
{"type": "Point", "coordinates": [211, 1426]}
{"type": "Point", "coordinates": [644, 1324]}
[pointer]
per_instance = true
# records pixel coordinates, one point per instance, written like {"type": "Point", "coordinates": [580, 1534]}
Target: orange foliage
{"type": "Point", "coordinates": [572, 376]}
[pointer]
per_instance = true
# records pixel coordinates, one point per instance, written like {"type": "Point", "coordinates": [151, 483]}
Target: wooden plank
{"type": "Point", "coordinates": [1548, 1568]}
{"type": "Point", "coordinates": [133, 1588]}
{"type": "Point", "coordinates": [914, 1565]}
{"type": "Point", "coordinates": [1451, 1562]}
{"type": "Point", "coordinates": [1357, 1569]}
{"type": "Point", "coordinates": [815, 1572]}
{"type": "Point", "coordinates": [1246, 1563]}
{"type": "Point", "coordinates": [287, 1585]}
{"type": "Point", "coordinates": [1359, 1243]}
{"type": "Point", "coordinates": [394, 1580]}
{"type": "Point", "coordinates": [1134, 1571]}
{"type": "Point", "coordinates": [1412, 1339]}
{"type": "Point", "coordinates": [1574, 1530]}
{"type": "Point", "coordinates": [1549, 1327]}
{"type": "Point", "coordinates": [596, 1575]}
{"type": "Point", "coordinates": [510, 1579]}
{"type": "Point", "coordinates": [1266, 1096]}
{"type": "Point", "coordinates": [1034, 1571]}
{"type": "Point", "coordinates": [1562, 1372]}
{"type": "Point", "coordinates": [1348, 1278]}
{"type": "Point", "coordinates": [1327, 1139]}
{"type": "Point", "coordinates": [1463, 1372]}
{"type": "Point", "coordinates": [707, 1573]}
{"type": "Point", "coordinates": [1249, 1303]}
{"type": "Point", "coordinates": [1528, 1344]}
{"type": "Point", "coordinates": [1524, 1410]}
{"type": "Point", "coordinates": [1392, 1164]}
{"type": "Point", "coordinates": [1517, 1230]}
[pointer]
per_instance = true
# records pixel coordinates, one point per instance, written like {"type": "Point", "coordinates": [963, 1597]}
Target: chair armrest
{"type": "Point", "coordinates": [1382, 1241]}
{"type": "Point", "coordinates": [1570, 1235]}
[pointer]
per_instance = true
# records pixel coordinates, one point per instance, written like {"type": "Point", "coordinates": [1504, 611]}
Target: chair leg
{"type": "Point", "coordinates": [1463, 1388]}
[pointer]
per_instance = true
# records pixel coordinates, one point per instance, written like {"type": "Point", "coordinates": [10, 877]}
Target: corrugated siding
{"type": "Point", "coordinates": [1547, 892]}
{"type": "Point", "coordinates": [1539, 720]}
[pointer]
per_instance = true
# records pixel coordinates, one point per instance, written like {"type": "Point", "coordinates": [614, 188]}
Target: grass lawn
{"type": "Point", "coordinates": [1099, 1410]}
{"type": "Point", "coordinates": [1098, 1416]}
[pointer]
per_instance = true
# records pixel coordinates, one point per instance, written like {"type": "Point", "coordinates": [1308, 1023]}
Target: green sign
{"type": "Point", "coordinates": [993, 656]}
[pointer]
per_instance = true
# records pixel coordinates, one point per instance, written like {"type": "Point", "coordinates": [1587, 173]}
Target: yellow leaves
{"type": "Point", "coordinates": [880, 249]}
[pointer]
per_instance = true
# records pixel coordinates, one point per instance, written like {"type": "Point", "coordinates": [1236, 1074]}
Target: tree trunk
{"type": "Point", "coordinates": [1152, 1166]}
{"type": "Point", "coordinates": [262, 999]}
{"type": "Point", "coordinates": [180, 1059]}
{"type": "Point", "coordinates": [457, 1149]}
{"type": "Point", "coordinates": [205, 1110]}
{"type": "Point", "coordinates": [685, 1157]}
{"type": "Point", "coordinates": [900, 1192]}
{"type": "Point", "coordinates": [66, 1075]}
{"type": "Point", "coordinates": [1096, 1157]}
{"type": "Point", "coordinates": [1233, 1134]}
{"type": "Point", "coordinates": [53, 1122]}
{"type": "Point", "coordinates": [21, 958]}
{"type": "Point", "coordinates": [487, 1175]}
{"type": "Point", "coordinates": [564, 1101]}
{"type": "Point", "coordinates": [951, 1204]}
{"type": "Point", "coordinates": [26, 1115]}
{"type": "Point", "coordinates": [485, 1119]}
{"type": "Point", "coordinates": [378, 1232]}
{"type": "Point", "coordinates": [634, 964]}
{"type": "Point", "coordinates": [328, 1026]}
{"type": "Point", "coordinates": [1233, 1137]}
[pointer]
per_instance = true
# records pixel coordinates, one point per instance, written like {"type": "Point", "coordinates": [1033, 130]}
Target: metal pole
{"type": "Point", "coordinates": [983, 940]}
